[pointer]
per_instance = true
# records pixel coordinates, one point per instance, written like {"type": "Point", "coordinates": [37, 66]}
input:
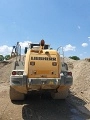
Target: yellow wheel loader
{"type": "Point", "coordinates": [41, 68]}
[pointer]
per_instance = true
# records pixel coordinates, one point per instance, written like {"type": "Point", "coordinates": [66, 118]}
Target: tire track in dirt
{"type": "Point", "coordinates": [38, 107]}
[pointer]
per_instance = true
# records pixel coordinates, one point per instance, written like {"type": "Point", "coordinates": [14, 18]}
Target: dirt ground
{"type": "Point", "coordinates": [43, 107]}
{"type": "Point", "coordinates": [81, 77]}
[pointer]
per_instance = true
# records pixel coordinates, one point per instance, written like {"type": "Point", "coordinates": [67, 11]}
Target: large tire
{"type": "Point", "coordinates": [60, 95]}
{"type": "Point", "coordinates": [15, 95]}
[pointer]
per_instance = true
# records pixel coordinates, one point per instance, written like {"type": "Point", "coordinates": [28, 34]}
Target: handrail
{"type": "Point", "coordinates": [60, 47]}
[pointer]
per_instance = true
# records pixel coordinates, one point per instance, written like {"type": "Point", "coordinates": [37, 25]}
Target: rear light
{"type": "Point", "coordinates": [54, 63]}
{"type": "Point", "coordinates": [32, 63]}
{"type": "Point", "coordinates": [69, 73]}
{"type": "Point", "coordinates": [17, 72]}
{"type": "Point", "coordinates": [42, 42]}
{"type": "Point", "coordinates": [13, 72]}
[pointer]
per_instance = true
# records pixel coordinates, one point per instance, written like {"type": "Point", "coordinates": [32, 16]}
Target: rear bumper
{"type": "Point", "coordinates": [44, 81]}
{"type": "Point", "coordinates": [50, 82]}
{"type": "Point", "coordinates": [24, 84]}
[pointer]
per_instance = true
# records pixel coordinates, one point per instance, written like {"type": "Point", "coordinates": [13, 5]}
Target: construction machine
{"type": "Point", "coordinates": [40, 69]}
{"type": "Point", "coordinates": [16, 50]}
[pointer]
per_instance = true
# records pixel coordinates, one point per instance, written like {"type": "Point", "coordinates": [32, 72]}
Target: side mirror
{"type": "Point", "coordinates": [25, 51]}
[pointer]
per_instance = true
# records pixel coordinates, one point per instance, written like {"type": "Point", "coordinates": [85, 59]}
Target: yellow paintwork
{"type": "Point", "coordinates": [42, 68]}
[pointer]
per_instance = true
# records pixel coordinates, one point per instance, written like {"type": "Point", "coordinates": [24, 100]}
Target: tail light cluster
{"type": "Point", "coordinates": [17, 72]}
{"type": "Point", "coordinates": [68, 73]}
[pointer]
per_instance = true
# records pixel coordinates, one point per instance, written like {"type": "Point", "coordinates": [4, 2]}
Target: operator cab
{"type": "Point", "coordinates": [36, 46]}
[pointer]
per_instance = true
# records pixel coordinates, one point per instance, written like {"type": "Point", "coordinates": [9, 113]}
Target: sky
{"type": "Point", "coordinates": [63, 23]}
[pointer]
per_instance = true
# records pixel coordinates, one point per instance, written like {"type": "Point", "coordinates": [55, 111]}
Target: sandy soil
{"type": "Point", "coordinates": [79, 98]}
{"type": "Point", "coordinates": [81, 81]}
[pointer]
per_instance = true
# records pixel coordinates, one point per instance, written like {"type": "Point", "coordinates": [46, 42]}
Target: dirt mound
{"type": "Point", "coordinates": [3, 63]}
{"type": "Point", "coordinates": [81, 77]}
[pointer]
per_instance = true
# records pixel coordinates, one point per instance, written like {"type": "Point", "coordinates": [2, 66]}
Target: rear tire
{"type": "Point", "coordinates": [15, 95]}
